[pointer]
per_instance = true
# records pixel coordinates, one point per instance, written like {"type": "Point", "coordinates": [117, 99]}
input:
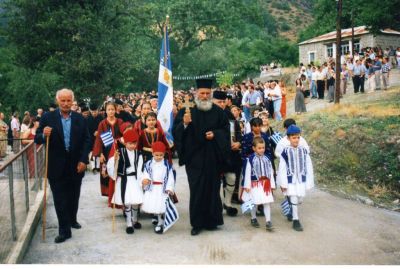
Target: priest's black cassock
{"type": "Point", "coordinates": [204, 160]}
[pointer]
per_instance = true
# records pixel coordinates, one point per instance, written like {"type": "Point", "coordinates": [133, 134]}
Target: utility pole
{"type": "Point", "coordinates": [352, 31]}
{"type": "Point", "coordinates": [338, 50]}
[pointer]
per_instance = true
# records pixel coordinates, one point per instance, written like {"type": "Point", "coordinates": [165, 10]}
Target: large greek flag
{"type": "Point", "coordinates": [165, 94]}
{"type": "Point", "coordinates": [171, 214]}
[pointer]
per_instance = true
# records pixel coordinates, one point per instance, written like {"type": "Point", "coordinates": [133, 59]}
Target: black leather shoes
{"type": "Point", "coordinates": [137, 225]}
{"type": "Point", "coordinates": [61, 238]}
{"type": "Point", "coordinates": [76, 225]}
{"type": "Point", "coordinates": [130, 230]}
{"type": "Point", "coordinates": [195, 231]}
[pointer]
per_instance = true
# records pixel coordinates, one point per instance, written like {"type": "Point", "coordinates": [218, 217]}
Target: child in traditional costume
{"type": "Point", "coordinates": [258, 182]}
{"type": "Point", "coordinates": [158, 182]}
{"type": "Point", "coordinates": [125, 166]}
{"type": "Point", "coordinates": [295, 173]}
{"type": "Point", "coordinates": [152, 134]}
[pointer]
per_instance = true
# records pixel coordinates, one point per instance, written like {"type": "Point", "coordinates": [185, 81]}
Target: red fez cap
{"type": "Point", "coordinates": [131, 136]}
{"type": "Point", "coordinates": [123, 127]}
{"type": "Point", "coordinates": [158, 147]}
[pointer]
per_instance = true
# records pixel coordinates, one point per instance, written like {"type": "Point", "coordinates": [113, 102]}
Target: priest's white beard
{"type": "Point", "coordinates": [203, 105]}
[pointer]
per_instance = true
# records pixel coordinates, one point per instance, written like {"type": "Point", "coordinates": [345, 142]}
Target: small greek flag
{"type": "Point", "coordinates": [276, 137]}
{"type": "Point", "coordinates": [247, 206]}
{"type": "Point", "coordinates": [107, 138]}
{"type": "Point", "coordinates": [171, 214]}
{"type": "Point", "coordinates": [286, 207]}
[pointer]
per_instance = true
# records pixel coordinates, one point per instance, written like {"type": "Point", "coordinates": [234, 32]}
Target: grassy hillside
{"type": "Point", "coordinates": [356, 148]}
{"type": "Point", "coordinates": [291, 15]}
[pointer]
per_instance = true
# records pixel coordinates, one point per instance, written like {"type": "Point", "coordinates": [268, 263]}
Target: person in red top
{"type": "Point", "coordinates": [149, 136]}
{"type": "Point", "coordinates": [99, 150]}
{"type": "Point", "coordinates": [140, 124]}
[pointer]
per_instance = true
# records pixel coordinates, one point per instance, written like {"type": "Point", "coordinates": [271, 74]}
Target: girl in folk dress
{"type": "Point", "coordinates": [128, 187]}
{"type": "Point", "coordinates": [150, 135]}
{"type": "Point", "coordinates": [100, 150]}
{"type": "Point", "coordinates": [259, 182]}
{"type": "Point", "coordinates": [295, 173]}
{"type": "Point", "coordinates": [158, 182]}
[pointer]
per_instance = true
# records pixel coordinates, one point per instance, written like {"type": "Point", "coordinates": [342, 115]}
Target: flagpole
{"type": "Point", "coordinates": [165, 41]}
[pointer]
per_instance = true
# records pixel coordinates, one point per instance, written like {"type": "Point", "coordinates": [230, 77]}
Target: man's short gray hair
{"type": "Point", "coordinates": [65, 91]}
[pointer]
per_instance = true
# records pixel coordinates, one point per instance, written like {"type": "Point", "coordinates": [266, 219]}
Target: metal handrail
{"type": "Point", "coordinates": [15, 156]}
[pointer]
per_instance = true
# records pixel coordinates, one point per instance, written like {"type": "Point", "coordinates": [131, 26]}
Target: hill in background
{"type": "Point", "coordinates": [291, 16]}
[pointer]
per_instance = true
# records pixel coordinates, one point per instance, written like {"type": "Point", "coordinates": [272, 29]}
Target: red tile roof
{"type": "Point", "coordinates": [360, 30]}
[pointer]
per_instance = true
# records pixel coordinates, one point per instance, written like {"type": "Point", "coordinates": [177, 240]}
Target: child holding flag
{"type": "Point", "coordinates": [295, 173]}
{"type": "Point", "coordinates": [158, 182]}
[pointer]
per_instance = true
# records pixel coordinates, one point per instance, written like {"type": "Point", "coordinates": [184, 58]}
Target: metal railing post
{"type": "Point", "coordinates": [25, 176]}
{"type": "Point", "coordinates": [35, 160]}
{"type": "Point", "coordinates": [12, 205]}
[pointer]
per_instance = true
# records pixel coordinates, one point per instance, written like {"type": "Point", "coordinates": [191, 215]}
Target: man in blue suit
{"type": "Point", "coordinates": [69, 147]}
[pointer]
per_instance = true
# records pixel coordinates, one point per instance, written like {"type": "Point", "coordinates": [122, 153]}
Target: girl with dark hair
{"type": "Point", "coordinates": [113, 124]}
{"type": "Point", "coordinates": [299, 104]}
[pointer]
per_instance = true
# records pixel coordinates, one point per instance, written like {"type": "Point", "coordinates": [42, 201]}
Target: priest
{"type": "Point", "coordinates": [202, 136]}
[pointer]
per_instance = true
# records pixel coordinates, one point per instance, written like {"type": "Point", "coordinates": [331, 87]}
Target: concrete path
{"type": "Point", "coordinates": [337, 231]}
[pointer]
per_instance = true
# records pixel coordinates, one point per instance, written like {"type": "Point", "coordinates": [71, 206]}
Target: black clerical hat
{"type": "Point", "coordinates": [204, 83]}
{"type": "Point", "coordinates": [219, 95]}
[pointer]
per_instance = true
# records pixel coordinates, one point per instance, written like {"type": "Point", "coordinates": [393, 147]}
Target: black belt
{"type": "Point", "coordinates": [130, 174]}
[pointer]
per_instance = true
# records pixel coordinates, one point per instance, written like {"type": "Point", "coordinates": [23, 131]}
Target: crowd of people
{"type": "Point", "coordinates": [371, 66]}
{"type": "Point", "coordinates": [222, 136]}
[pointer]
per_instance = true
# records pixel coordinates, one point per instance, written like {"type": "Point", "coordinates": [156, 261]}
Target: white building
{"type": "Point", "coordinates": [319, 48]}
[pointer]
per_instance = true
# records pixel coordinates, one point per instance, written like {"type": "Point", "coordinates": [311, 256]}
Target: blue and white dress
{"type": "Point", "coordinates": [162, 180]}
{"type": "Point", "coordinates": [295, 171]}
{"type": "Point", "coordinates": [259, 178]}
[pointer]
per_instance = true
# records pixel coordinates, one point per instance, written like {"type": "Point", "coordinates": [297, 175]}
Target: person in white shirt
{"type": "Point", "coordinates": [284, 142]}
{"type": "Point", "coordinates": [276, 96]}
{"type": "Point", "coordinates": [313, 87]}
{"type": "Point", "coordinates": [15, 128]}
{"type": "Point", "coordinates": [246, 110]}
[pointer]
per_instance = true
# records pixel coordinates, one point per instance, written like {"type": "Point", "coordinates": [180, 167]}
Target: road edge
{"type": "Point", "coordinates": [28, 231]}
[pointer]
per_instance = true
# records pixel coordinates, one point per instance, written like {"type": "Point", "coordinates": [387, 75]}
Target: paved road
{"type": "Point", "coordinates": [337, 231]}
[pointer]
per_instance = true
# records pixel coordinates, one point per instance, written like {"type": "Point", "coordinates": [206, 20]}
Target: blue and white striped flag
{"type": "Point", "coordinates": [286, 207]}
{"type": "Point", "coordinates": [165, 94]}
{"type": "Point", "coordinates": [276, 137]}
{"type": "Point", "coordinates": [171, 214]}
{"type": "Point", "coordinates": [107, 138]}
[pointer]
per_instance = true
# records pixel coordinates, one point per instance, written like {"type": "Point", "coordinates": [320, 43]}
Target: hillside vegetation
{"type": "Point", "coordinates": [356, 148]}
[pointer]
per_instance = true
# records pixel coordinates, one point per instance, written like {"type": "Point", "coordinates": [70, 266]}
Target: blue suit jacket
{"type": "Point", "coordinates": [79, 143]}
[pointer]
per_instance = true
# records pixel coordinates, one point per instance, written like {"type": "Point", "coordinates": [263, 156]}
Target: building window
{"type": "Point", "coordinates": [345, 48]}
{"type": "Point", "coordinates": [329, 50]}
{"type": "Point", "coordinates": [311, 56]}
{"type": "Point", "coordinates": [357, 46]}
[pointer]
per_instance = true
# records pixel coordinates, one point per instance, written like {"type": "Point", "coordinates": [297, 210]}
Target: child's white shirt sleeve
{"type": "Point", "coordinates": [281, 178]}
{"type": "Point", "coordinates": [247, 175]}
{"type": "Point", "coordinates": [310, 173]}
{"type": "Point", "coordinates": [110, 167]}
{"type": "Point", "coordinates": [139, 172]}
{"type": "Point", "coordinates": [273, 185]}
{"type": "Point", "coordinates": [171, 181]}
